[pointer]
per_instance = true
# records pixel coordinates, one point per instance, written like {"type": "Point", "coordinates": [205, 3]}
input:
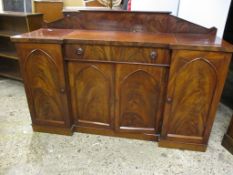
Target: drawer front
{"type": "Point", "coordinates": [118, 54]}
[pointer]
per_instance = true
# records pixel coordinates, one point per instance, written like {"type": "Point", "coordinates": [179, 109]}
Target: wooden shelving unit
{"type": "Point", "coordinates": [11, 54]}
{"type": "Point", "coordinates": [14, 23]}
{"type": "Point", "coordinates": [10, 69]}
{"type": "Point", "coordinates": [6, 33]}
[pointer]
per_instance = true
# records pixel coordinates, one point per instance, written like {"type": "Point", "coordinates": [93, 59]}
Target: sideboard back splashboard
{"type": "Point", "coordinates": [143, 75]}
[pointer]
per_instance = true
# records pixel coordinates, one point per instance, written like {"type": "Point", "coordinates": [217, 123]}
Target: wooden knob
{"type": "Point", "coordinates": [79, 51]}
{"type": "Point", "coordinates": [62, 90]}
{"type": "Point", "coordinates": [169, 100]}
{"type": "Point", "coordinates": [153, 55]}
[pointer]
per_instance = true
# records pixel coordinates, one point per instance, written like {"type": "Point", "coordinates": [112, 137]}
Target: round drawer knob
{"type": "Point", "coordinates": [169, 100]}
{"type": "Point", "coordinates": [62, 90]}
{"type": "Point", "coordinates": [79, 51]}
{"type": "Point", "coordinates": [153, 55]}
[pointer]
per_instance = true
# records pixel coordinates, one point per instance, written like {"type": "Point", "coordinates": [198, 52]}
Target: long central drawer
{"type": "Point", "coordinates": [117, 53]}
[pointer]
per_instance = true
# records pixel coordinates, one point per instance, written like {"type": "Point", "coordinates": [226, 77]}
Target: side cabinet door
{"type": "Point", "coordinates": [91, 86]}
{"type": "Point", "coordinates": [195, 84]}
{"type": "Point", "coordinates": [43, 74]}
{"type": "Point", "coordinates": [139, 94]}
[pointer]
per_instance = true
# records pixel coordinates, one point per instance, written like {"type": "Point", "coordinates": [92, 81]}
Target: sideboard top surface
{"type": "Point", "coordinates": [163, 40]}
{"type": "Point", "coordinates": [152, 29]}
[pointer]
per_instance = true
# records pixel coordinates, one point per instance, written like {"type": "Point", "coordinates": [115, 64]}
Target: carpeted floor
{"type": "Point", "coordinates": [23, 152]}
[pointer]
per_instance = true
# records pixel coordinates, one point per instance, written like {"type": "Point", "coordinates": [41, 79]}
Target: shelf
{"type": "Point", "coordinates": [8, 54]}
{"type": "Point", "coordinates": [11, 74]}
{"type": "Point", "coordinates": [10, 69]}
{"type": "Point", "coordinates": [7, 33]}
{"type": "Point", "coordinates": [18, 14]}
{"type": "Point", "coordinates": [11, 24]}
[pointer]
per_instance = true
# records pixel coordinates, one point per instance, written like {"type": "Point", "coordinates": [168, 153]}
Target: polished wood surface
{"type": "Point", "coordinates": [157, 78]}
{"type": "Point", "coordinates": [139, 98]}
{"type": "Point", "coordinates": [92, 93]}
{"type": "Point", "coordinates": [113, 38]}
{"type": "Point", "coordinates": [113, 20]}
{"type": "Point", "coordinates": [42, 69]}
{"type": "Point", "coordinates": [227, 141]}
{"type": "Point", "coordinates": [116, 54]}
{"type": "Point", "coordinates": [189, 114]}
{"type": "Point", "coordinates": [51, 10]}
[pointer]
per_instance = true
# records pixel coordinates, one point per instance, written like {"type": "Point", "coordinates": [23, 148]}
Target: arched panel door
{"type": "Point", "coordinates": [43, 73]}
{"type": "Point", "coordinates": [139, 91]}
{"type": "Point", "coordinates": [92, 94]}
{"type": "Point", "coordinates": [193, 94]}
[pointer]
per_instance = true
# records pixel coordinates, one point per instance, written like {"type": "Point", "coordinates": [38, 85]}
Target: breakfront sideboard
{"type": "Point", "coordinates": [140, 75]}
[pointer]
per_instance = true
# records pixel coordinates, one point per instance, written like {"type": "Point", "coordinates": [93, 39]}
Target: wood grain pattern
{"type": "Point", "coordinates": [122, 28]}
{"type": "Point", "coordinates": [43, 74]}
{"type": "Point", "coordinates": [54, 13]}
{"type": "Point", "coordinates": [186, 41]}
{"type": "Point", "coordinates": [114, 133]}
{"type": "Point", "coordinates": [140, 75]}
{"type": "Point", "coordinates": [199, 74]}
{"type": "Point", "coordinates": [44, 85]}
{"type": "Point", "coordinates": [139, 91]}
{"type": "Point", "coordinates": [155, 22]}
{"type": "Point", "coordinates": [91, 93]}
{"type": "Point", "coordinates": [178, 25]}
{"type": "Point", "coordinates": [104, 20]}
{"type": "Point", "coordinates": [119, 54]}
{"type": "Point", "coordinates": [193, 94]}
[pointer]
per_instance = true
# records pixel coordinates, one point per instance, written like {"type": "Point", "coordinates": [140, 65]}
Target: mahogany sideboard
{"type": "Point", "coordinates": [227, 141]}
{"type": "Point", "coordinates": [143, 75]}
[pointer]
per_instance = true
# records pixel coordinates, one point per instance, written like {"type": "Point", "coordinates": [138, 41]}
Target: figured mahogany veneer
{"type": "Point", "coordinates": [139, 75]}
{"type": "Point", "coordinates": [116, 54]}
{"type": "Point", "coordinates": [160, 22]}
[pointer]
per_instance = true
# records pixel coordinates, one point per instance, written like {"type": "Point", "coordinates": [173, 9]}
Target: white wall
{"type": "Point", "coordinates": [0, 5]}
{"type": "Point", "coordinates": [155, 5]}
{"type": "Point", "coordinates": [208, 13]}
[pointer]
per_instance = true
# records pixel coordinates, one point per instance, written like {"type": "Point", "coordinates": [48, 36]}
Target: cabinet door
{"type": "Point", "coordinates": [195, 84]}
{"type": "Point", "coordinates": [139, 98]}
{"type": "Point", "coordinates": [43, 74]}
{"type": "Point", "coordinates": [91, 86]}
